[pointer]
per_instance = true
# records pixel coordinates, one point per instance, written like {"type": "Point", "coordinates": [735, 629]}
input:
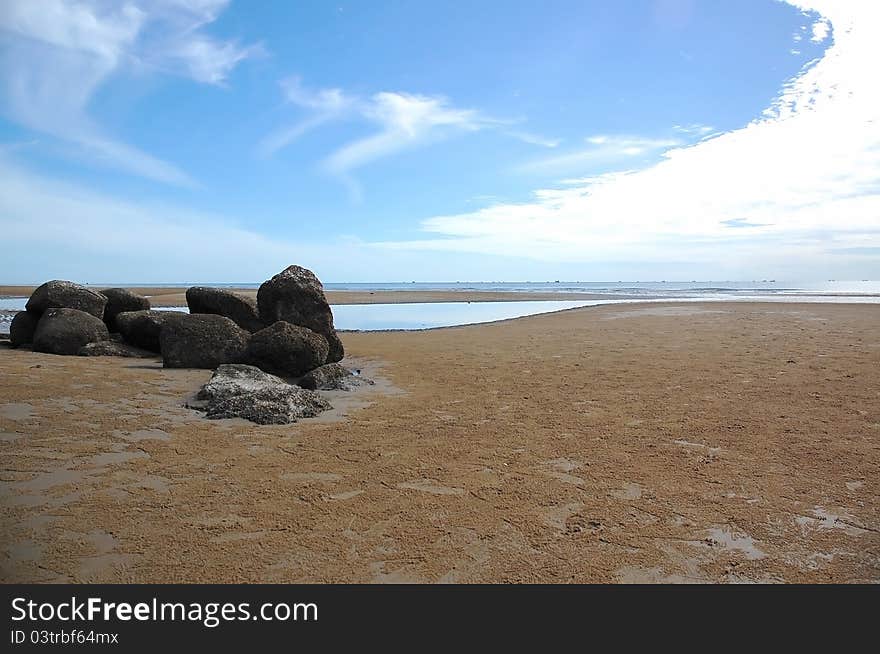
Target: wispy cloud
{"type": "Point", "coordinates": [535, 139]}
{"type": "Point", "coordinates": [404, 121]}
{"type": "Point", "coordinates": [56, 54]}
{"type": "Point", "coordinates": [821, 29]}
{"type": "Point", "coordinates": [795, 185]}
{"type": "Point", "coordinates": [600, 150]}
{"type": "Point", "coordinates": [694, 129]}
{"type": "Point", "coordinates": [400, 121]}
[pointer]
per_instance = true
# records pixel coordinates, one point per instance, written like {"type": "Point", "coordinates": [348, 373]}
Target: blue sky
{"type": "Point", "coordinates": [206, 140]}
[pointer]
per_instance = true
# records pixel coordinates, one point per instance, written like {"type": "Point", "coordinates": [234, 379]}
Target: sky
{"type": "Point", "coordinates": [162, 141]}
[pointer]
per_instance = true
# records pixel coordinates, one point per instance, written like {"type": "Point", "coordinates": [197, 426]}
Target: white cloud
{"type": "Point", "coordinates": [821, 28]}
{"type": "Point", "coordinates": [56, 54]}
{"type": "Point", "coordinates": [694, 129]}
{"type": "Point", "coordinates": [404, 121]}
{"type": "Point", "coordinates": [790, 189]}
{"type": "Point", "coordinates": [401, 120]}
{"type": "Point", "coordinates": [600, 150]}
{"type": "Point", "coordinates": [535, 139]}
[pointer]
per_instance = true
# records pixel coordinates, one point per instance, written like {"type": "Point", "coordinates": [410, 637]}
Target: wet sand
{"type": "Point", "coordinates": [176, 297]}
{"type": "Point", "coordinates": [645, 443]}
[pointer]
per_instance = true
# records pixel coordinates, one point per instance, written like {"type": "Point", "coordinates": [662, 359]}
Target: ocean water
{"type": "Point", "coordinates": [663, 289]}
{"type": "Point", "coordinates": [370, 317]}
{"type": "Point", "coordinates": [637, 289]}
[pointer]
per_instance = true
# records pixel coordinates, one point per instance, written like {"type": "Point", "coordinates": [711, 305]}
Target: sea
{"type": "Point", "coordinates": [370, 317]}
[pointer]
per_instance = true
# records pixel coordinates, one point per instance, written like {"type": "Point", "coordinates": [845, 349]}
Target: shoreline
{"type": "Point", "coordinates": [176, 296]}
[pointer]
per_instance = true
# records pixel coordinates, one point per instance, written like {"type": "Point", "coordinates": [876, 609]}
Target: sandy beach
{"type": "Point", "coordinates": [645, 443]}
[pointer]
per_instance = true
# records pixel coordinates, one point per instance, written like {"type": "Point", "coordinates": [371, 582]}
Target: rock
{"type": "Point", "coordinates": [286, 349]}
{"type": "Point", "coordinates": [335, 351]}
{"type": "Point", "coordinates": [202, 341]}
{"type": "Point", "coordinates": [114, 349]}
{"type": "Point", "coordinates": [22, 328]}
{"type": "Point", "coordinates": [332, 377]}
{"type": "Point", "coordinates": [241, 310]}
{"type": "Point", "coordinates": [120, 300]}
{"type": "Point", "coordinates": [65, 331]}
{"type": "Point", "coordinates": [142, 328]}
{"type": "Point", "coordinates": [241, 391]}
{"type": "Point", "coordinates": [59, 294]}
{"type": "Point", "coordinates": [296, 296]}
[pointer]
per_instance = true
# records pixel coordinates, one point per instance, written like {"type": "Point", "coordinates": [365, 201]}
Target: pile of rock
{"type": "Point", "coordinates": [288, 331]}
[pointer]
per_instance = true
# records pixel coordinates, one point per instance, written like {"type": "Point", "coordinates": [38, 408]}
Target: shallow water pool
{"type": "Point", "coordinates": [430, 315]}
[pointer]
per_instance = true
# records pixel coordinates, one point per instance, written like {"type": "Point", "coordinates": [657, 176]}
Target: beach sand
{"type": "Point", "coordinates": [645, 443]}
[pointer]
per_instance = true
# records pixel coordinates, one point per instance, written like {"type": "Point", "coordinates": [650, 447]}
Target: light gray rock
{"type": "Point", "coordinates": [65, 331]}
{"type": "Point", "coordinates": [242, 391]}
{"type": "Point", "coordinates": [59, 294]}
{"type": "Point", "coordinates": [332, 377]}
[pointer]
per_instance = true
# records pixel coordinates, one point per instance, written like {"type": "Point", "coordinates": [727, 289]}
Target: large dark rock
{"type": "Point", "coordinates": [120, 300]}
{"type": "Point", "coordinates": [114, 349]}
{"type": "Point", "coordinates": [22, 328]}
{"type": "Point", "coordinates": [286, 349]}
{"type": "Point", "coordinates": [333, 377]}
{"type": "Point", "coordinates": [241, 391]}
{"type": "Point", "coordinates": [202, 341]}
{"type": "Point", "coordinates": [296, 296]}
{"type": "Point", "coordinates": [241, 310]}
{"type": "Point", "coordinates": [65, 331]}
{"type": "Point", "coordinates": [335, 351]}
{"type": "Point", "coordinates": [142, 328]}
{"type": "Point", "coordinates": [59, 294]}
